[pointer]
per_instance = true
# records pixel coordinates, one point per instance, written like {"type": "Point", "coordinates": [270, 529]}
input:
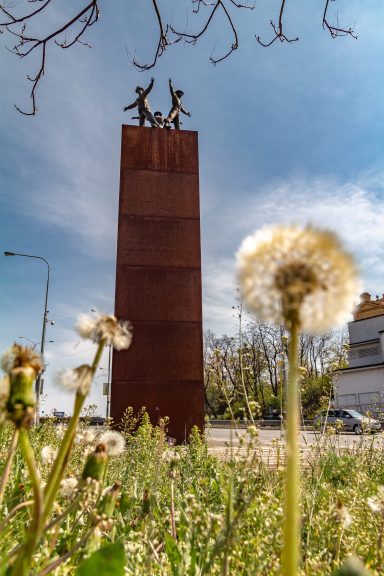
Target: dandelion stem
{"type": "Point", "coordinates": [8, 463]}
{"type": "Point", "coordinates": [98, 354]}
{"type": "Point", "coordinates": [292, 514]}
{"type": "Point", "coordinates": [68, 554]}
{"type": "Point", "coordinates": [241, 362]}
{"type": "Point", "coordinates": [23, 561]}
{"type": "Point", "coordinates": [338, 546]}
{"type": "Point", "coordinates": [67, 511]}
{"type": "Point", "coordinates": [59, 466]}
{"type": "Point", "coordinates": [173, 523]}
{"type": "Point", "coordinates": [61, 461]}
{"type": "Point", "coordinates": [229, 518]}
{"type": "Point", "coordinates": [380, 542]}
{"type": "Point", "coordinates": [14, 511]}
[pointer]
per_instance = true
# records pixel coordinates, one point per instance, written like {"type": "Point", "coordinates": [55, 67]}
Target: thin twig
{"type": "Point", "coordinates": [335, 31]}
{"type": "Point", "coordinates": [27, 44]}
{"type": "Point", "coordinates": [279, 34]}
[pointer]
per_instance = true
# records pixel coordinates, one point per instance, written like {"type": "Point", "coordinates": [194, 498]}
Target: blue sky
{"type": "Point", "coordinates": [292, 133]}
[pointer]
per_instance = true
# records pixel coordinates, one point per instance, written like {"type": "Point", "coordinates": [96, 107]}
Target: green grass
{"type": "Point", "coordinates": [228, 514]}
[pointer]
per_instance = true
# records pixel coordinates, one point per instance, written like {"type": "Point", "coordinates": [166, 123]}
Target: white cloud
{"type": "Point", "coordinates": [354, 210]}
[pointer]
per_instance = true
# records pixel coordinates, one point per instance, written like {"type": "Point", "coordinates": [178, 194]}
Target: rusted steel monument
{"type": "Point", "coordinates": [158, 279]}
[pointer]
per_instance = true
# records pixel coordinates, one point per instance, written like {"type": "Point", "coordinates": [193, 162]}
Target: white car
{"type": "Point", "coordinates": [350, 419]}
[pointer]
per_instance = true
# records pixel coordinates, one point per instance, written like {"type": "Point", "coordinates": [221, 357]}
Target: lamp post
{"type": "Point", "coordinates": [32, 341]}
{"type": "Point", "coordinates": [42, 343]}
{"type": "Point", "coordinates": [109, 380]}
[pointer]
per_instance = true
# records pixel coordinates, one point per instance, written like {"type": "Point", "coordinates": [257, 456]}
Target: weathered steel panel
{"type": "Point", "coordinates": [155, 193]}
{"type": "Point", "coordinates": [166, 242]}
{"type": "Point", "coordinates": [163, 351]}
{"type": "Point", "coordinates": [140, 298]}
{"type": "Point", "coordinates": [158, 279]}
{"type": "Point", "coordinates": [166, 150]}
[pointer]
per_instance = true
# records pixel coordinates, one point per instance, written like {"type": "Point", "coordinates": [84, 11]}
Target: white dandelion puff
{"type": "Point", "coordinates": [113, 441]}
{"type": "Point", "coordinates": [376, 503]}
{"type": "Point", "coordinates": [67, 379]}
{"type": "Point", "coordinates": [79, 438]}
{"type": "Point", "coordinates": [60, 430]}
{"type": "Point", "coordinates": [86, 437]}
{"type": "Point", "coordinates": [76, 380]}
{"type": "Point", "coordinates": [105, 327]}
{"type": "Point", "coordinates": [68, 486]}
{"type": "Point", "coordinates": [48, 454]}
{"type": "Point", "coordinates": [4, 388]}
{"type": "Point", "coordinates": [342, 514]}
{"type": "Point", "coordinates": [288, 269]}
{"type": "Point", "coordinates": [21, 357]}
{"type": "Point", "coordinates": [89, 436]}
{"type": "Point", "coordinates": [8, 360]}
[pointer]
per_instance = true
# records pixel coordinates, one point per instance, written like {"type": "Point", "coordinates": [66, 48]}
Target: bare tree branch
{"type": "Point", "coordinates": [27, 44]}
{"type": "Point", "coordinates": [335, 31]}
{"type": "Point", "coordinates": [23, 18]}
{"type": "Point", "coordinates": [162, 42]}
{"type": "Point", "coordinates": [19, 16]}
{"type": "Point", "coordinates": [279, 34]}
{"type": "Point", "coordinates": [217, 4]}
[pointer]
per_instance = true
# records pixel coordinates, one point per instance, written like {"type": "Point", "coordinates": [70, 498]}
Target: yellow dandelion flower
{"type": "Point", "coordinates": [290, 272]}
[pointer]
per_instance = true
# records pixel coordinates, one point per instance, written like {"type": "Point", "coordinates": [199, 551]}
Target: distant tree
{"type": "Point", "coordinates": [25, 22]}
{"type": "Point", "coordinates": [255, 362]}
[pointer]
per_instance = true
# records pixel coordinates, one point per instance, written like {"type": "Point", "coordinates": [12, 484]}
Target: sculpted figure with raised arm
{"type": "Point", "coordinates": [143, 107]}
{"type": "Point", "coordinates": [177, 107]}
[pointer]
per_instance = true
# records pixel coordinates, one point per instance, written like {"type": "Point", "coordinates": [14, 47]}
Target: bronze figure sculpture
{"type": "Point", "coordinates": [160, 119]}
{"type": "Point", "coordinates": [177, 107]}
{"type": "Point", "coordinates": [143, 106]}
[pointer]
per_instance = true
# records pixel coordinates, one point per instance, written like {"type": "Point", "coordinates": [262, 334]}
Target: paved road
{"type": "Point", "coordinates": [222, 436]}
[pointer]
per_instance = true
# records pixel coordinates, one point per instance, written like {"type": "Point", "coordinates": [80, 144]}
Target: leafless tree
{"type": "Point", "coordinates": [20, 19]}
{"type": "Point", "coordinates": [262, 349]}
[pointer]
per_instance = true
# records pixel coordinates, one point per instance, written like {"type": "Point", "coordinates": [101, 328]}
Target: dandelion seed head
{"type": "Point", "coordinates": [48, 454]}
{"type": "Point", "coordinates": [60, 430]}
{"type": "Point", "coordinates": [289, 269]}
{"type": "Point", "coordinates": [105, 327]}
{"type": "Point", "coordinates": [342, 514]}
{"type": "Point", "coordinates": [68, 486]}
{"type": "Point", "coordinates": [77, 380]}
{"type": "Point", "coordinates": [8, 359]}
{"type": "Point", "coordinates": [21, 357]}
{"type": "Point", "coordinates": [4, 395]}
{"type": "Point", "coordinates": [113, 441]}
{"type": "Point", "coordinates": [89, 436]}
{"type": "Point", "coordinates": [376, 503]}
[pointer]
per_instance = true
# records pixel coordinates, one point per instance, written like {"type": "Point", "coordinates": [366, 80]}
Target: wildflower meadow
{"type": "Point", "coordinates": [121, 500]}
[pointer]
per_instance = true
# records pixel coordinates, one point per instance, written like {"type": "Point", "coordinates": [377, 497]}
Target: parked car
{"type": "Point", "coordinates": [96, 421]}
{"type": "Point", "coordinates": [348, 419]}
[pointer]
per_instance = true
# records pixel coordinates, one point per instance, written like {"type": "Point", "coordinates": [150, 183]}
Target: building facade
{"type": "Point", "coordinates": [361, 385]}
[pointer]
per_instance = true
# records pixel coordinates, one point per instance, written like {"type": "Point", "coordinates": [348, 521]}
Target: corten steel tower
{"type": "Point", "coordinates": [158, 279]}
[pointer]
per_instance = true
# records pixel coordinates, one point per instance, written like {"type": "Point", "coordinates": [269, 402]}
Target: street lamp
{"type": "Point", "coordinates": [45, 320]}
{"type": "Point", "coordinates": [32, 341]}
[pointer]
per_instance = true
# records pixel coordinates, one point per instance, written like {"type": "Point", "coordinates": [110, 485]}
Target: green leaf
{"type": "Point", "coordinates": [173, 554]}
{"type": "Point", "coordinates": [108, 561]}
